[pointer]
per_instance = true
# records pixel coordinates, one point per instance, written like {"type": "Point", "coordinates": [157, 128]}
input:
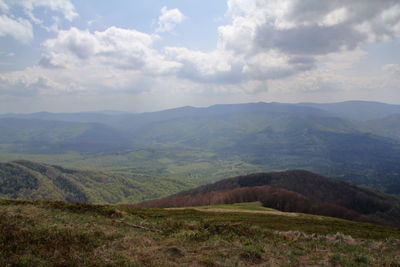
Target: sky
{"type": "Point", "coordinates": [90, 55]}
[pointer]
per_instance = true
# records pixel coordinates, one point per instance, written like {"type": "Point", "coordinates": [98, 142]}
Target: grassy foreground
{"type": "Point", "coordinates": [44, 233]}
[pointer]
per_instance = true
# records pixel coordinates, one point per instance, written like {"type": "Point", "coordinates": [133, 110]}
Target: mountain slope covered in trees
{"type": "Point", "coordinates": [36, 181]}
{"type": "Point", "coordinates": [295, 191]}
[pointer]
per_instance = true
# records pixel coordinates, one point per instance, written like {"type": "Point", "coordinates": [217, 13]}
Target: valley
{"type": "Point", "coordinates": [202, 145]}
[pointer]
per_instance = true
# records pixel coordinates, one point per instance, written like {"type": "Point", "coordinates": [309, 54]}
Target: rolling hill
{"type": "Point", "coordinates": [36, 181]}
{"type": "Point", "coordinates": [294, 191]}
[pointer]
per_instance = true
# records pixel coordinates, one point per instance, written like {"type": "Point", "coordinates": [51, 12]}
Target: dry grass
{"type": "Point", "coordinates": [59, 234]}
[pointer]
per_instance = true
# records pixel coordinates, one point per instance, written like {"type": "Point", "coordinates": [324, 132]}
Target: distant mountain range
{"type": "Point", "coordinates": [355, 141]}
{"type": "Point", "coordinates": [292, 191]}
{"type": "Point", "coordinates": [353, 110]}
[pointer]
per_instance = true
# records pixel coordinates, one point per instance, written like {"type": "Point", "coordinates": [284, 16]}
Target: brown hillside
{"type": "Point", "coordinates": [295, 191]}
{"type": "Point", "coordinates": [276, 198]}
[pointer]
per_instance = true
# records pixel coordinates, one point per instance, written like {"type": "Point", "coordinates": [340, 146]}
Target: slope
{"type": "Point", "coordinates": [279, 141]}
{"type": "Point", "coordinates": [42, 136]}
{"type": "Point", "coordinates": [37, 181]}
{"type": "Point", "coordinates": [357, 110]}
{"type": "Point", "coordinates": [388, 126]}
{"type": "Point", "coordinates": [57, 233]}
{"type": "Point", "coordinates": [295, 191]}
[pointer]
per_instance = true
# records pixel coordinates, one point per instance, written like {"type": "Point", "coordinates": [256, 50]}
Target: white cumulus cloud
{"type": "Point", "coordinates": [19, 26]}
{"type": "Point", "coordinates": [121, 48]}
{"type": "Point", "coordinates": [65, 7]}
{"type": "Point", "coordinates": [168, 19]}
{"type": "Point", "coordinates": [287, 46]}
{"type": "Point", "coordinates": [268, 40]}
{"type": "Point", "coordinates": [19, 29]}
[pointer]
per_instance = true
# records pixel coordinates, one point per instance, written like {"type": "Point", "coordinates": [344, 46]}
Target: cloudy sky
{"type": "Point", "coordinates": [86, 55]}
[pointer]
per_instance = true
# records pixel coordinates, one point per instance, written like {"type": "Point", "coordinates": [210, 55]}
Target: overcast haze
{"type": "Point", "coordinates": [68, 56]}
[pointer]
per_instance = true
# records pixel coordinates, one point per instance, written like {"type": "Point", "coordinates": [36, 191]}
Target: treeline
{"type": "Point", "coordinates": [295, 191]}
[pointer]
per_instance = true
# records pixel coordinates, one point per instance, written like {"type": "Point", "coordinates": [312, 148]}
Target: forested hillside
{"type": "Point", "coordinates": [294, 191]}
{"type": "Point", "coordinates": [36, 181]}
